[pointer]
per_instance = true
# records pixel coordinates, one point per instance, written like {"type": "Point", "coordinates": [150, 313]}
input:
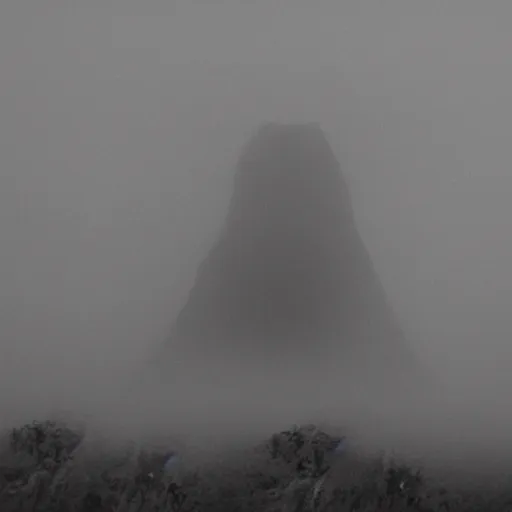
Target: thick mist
{"type": "Point", "coordinates": [120, 128]}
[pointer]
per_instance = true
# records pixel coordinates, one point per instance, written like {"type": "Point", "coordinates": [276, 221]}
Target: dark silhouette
{"type": "Point", "coordinates": [289, 280]}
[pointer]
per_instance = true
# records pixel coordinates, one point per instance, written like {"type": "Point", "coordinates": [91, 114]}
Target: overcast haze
{"type": "Point", "coordinates": [120, 127]}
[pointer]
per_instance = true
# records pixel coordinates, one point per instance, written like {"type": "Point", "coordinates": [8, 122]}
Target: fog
{"type": "Point", "coordinates": [120, 128]}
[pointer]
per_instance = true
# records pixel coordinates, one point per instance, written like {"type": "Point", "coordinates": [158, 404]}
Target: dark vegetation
{"type": "Point", "coordinates": [48, 467]}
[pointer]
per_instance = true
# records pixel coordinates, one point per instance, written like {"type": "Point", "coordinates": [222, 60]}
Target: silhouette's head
{"type": "Point", "coordinates": [290, 179]}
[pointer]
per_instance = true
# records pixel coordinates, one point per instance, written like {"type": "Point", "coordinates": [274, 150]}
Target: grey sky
{"type": "Point", "coordinates": [121, 124]}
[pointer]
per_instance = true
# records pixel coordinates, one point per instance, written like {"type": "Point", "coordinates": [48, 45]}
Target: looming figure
{"type": "Point", "coordinates": [289, 285]}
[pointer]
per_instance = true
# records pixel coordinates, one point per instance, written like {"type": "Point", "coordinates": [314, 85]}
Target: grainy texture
{"type": "Point", "coordinates": [45, 467]}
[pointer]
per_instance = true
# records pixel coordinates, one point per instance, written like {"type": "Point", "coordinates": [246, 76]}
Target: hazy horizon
{"type": "Point", "coordinates": [121, 125]}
